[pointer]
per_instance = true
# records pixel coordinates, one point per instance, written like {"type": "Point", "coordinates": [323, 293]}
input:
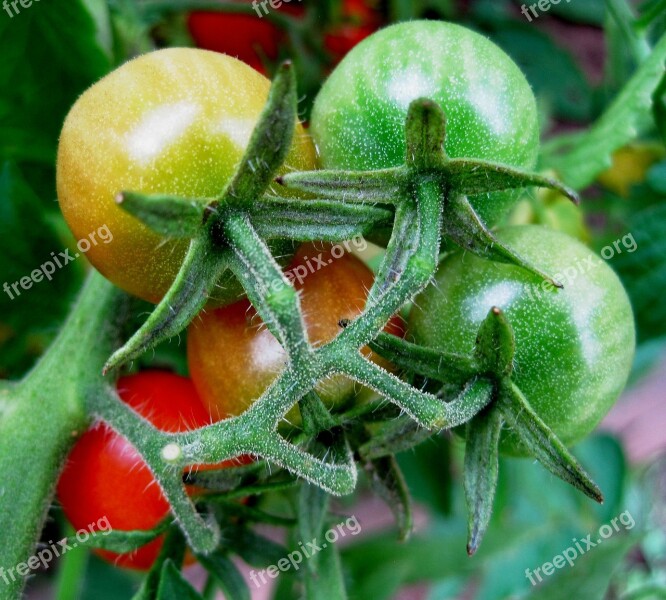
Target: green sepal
{"type": "Point", "coordinates": [316, 220]}
{"type": "Point", "coordinates": [173, 551]}
{"type": "Point", "coordinates": [542, 442]}
{"type": "Point", "coordinates": [226, 574]}
{"type": "Point", "coordinates": [171, 216]}
{"type": "Point", "coordinates": [388, 482]}
{"type": "Point", "coordinates": [315, 416]}
{"type": "Point", "coordinates": [173, 586]}
{"type": "Point", "coordinates": [464, 226]}
{"type": "Point", "coordinates": [124, 541]}
{"type": "Point", "coordinates": [391, 437]}
{"type": "Point", "coordinates": [194, 284]}
{"type": "Point", "coordinates": [383, 186]}
{"type": "Point", "coordinates": [434, 364]}
{"type": "Point", "coordinates": [480, 473]}
{"type": "Point", "coordinates": [472, 177]}
{"type": "Point", "coordinates": [269, 144]}
{"type": "Point", "coordinates": [425, 132]}
{"type": "Point", "coordinates": [495, 344]}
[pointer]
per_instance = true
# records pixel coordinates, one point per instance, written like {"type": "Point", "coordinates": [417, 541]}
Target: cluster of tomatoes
{"type": "Point", "coordinates": [180, 126]}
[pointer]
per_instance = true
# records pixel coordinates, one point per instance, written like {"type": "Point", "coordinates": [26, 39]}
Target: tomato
{"type": "Point", "coordinates": [233, 357]}
{"type": "Point", "coordinates": [358, 119]}
{"type": "Point", "coordinates": [249, 38]}
{"type": "Point", "coordinates": [359, 20]}
{"type": "Point", "coordinates": [574, 347]}
{"type": "Point", "coordinates": [175, 121]}
{"type": "Point", "coordinates": [106, 477]}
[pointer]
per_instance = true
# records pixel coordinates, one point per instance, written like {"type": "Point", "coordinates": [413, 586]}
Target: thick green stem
{"type": "Point", "coordinates": [41, 422]}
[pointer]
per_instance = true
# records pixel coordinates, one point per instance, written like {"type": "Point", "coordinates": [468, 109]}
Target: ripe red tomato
{"type": "Point", "coordinates": [233, 358]}
{"type": "Point", "coordinates": [359, 19]}
{"type": "Point", "coordinates": [249, 38]}
{"type": "Point", "coordinates": [106, 477]}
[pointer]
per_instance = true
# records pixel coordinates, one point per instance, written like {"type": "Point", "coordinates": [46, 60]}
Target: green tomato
{"type": "Point", "coordinates": [175, 121]}
{"type": "Point", "coordinates": [574, 347]}
{"type": "Point", "coordinates": [358, 117]}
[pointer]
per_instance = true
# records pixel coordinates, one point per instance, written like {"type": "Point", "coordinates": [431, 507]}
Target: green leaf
{"type": "Point", "coordinates": [312, 511]}
{"type": "Point", "coordinates": [590, 574]}
{"type": "Point", "coordinates": [591, 12]}
{"type": "Point", "coordinates": [327, 583]}
{"type": "Point", "coordinates": [227, 575]}
{"type": "Point", "coordinates": [51, 54]}
{"type": "Point", "coordinates": [173, 585]}
{"type": "Point", "coordinates": [643, 271]}
{"type": "Point", "coordinates": [589, 153]}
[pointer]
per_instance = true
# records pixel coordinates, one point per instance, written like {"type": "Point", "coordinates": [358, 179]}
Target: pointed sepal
{"type": "Point", "coordinates": [481, 471]}
{"type": "Point", "coordinates": [464, 226]}
{"type": "Point", "coordinates": [542, 442]}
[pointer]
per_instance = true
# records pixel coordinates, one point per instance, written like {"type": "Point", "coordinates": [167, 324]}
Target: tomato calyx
{"type": "Point", "coordinates": [457, 178]}
{"type": "Point", "coordinates": [492, 363]}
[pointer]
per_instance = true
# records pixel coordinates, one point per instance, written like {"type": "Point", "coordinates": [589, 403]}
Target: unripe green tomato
{"type": "Point", "coordinates": [174, 121]}
{"type": "Point", "coordinates": [358, 119]}
{"type": "Point", "coordinates": [574, 347]}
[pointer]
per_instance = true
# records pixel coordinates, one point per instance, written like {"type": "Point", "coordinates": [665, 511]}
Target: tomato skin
{"type": "Point", "coordinates": [233, 357]}
{"type": "Point", "coordinates": [106, 477]}
{"type": "Point", "coordinates": [174, 121]}
{"type": "Point", "coordinates": [574, 347]}
{"type": "Point", "coordinates": [359, 115]}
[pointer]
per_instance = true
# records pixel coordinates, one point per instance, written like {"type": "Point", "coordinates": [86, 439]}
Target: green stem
{"type": "Point", "coordinates": [42, 421]}
{"type": "Point", "coordinates": [268, 289]}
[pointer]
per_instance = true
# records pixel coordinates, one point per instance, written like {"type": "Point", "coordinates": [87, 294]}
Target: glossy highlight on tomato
{"type": "Point", "coordinates": [106, 477]}
{"type": "Point", "coordinates": [359, 115]}
{"type": "Point", "coordinates": [175, 121]}
{"type": "Point", "coordinates": [233, 357]}
{"type": "Point", "coordinates": [574, 347]}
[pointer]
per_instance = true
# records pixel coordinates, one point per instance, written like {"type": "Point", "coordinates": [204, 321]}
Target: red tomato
{"type": "Point", "coordinates": [250, 38]}
{"type": "Point", "coordinates": [233, 357]}
{"type": "Point", "coordinates": [359, 20]}
{"type": "Point", "coordinates": [106, 477]}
